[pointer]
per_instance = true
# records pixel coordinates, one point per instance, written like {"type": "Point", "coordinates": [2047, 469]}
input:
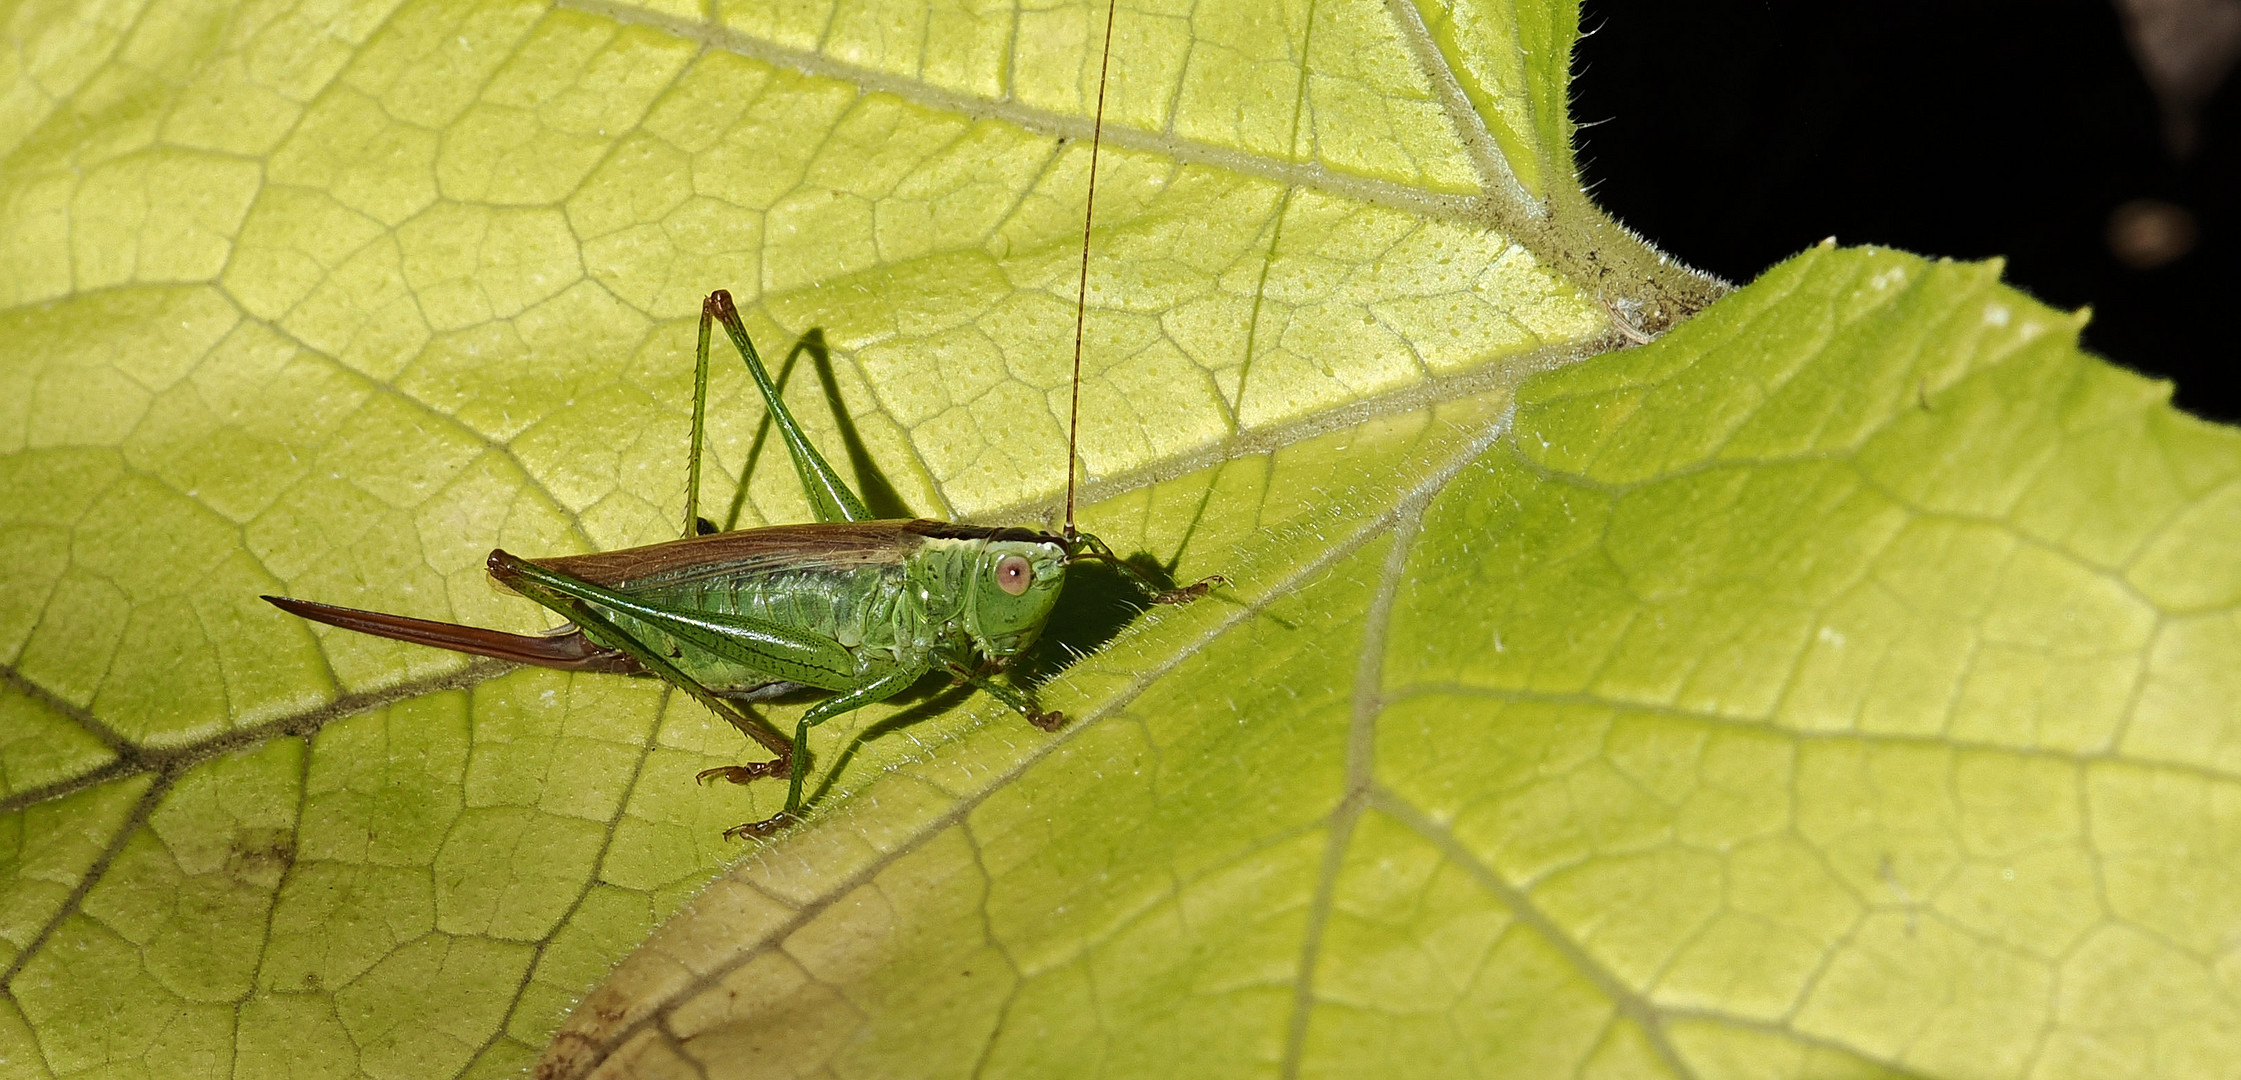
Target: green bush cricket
{"type": "Point", "coordinates": [858, 607]}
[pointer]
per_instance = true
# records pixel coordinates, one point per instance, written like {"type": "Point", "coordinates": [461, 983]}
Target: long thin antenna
{"type": "Point", "coordinates": [1081, 296]}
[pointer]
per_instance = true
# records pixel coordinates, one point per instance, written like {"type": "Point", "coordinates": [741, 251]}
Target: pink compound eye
{"type": "Point", "coordinates": [1014, 574]}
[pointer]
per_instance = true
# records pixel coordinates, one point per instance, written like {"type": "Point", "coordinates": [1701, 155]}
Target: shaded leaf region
{"type": "Point", "coordinates": [1710, 720]}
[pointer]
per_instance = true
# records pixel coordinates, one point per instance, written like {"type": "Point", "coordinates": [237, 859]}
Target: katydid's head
{"type": "Point", "coordinates": [1015, 585]}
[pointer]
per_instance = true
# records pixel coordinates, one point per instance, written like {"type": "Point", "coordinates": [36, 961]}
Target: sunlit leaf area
{"type": "Point", "coordinates": [1618, 673]}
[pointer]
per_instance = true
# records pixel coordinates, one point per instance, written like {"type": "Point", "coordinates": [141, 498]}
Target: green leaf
{"type": "Point", "coordinates": [1837, 686]}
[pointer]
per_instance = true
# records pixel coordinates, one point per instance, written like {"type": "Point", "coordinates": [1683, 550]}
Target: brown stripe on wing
{"type": "Point", "coordinates": [571, 651]}
{"type": "Point", "coordinates": [746, 551]}
{"type": "Point", "coordinates": [949, 530]}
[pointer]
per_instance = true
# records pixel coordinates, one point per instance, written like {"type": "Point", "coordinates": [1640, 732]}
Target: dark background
{"type": "Point", "coordinates": [1733, 133]}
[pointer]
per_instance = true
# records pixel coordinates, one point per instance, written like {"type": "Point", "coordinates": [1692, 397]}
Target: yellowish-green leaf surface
{"type": "Point", "coordinates": [1839, 686]}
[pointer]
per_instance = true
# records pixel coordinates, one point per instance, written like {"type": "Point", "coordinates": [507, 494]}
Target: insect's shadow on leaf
{"type": "Point", "coordinates": [1098, 603]}
{"type": "Point", "coordinates": [930, 703]}
{"type": "Point", "coordinates": [878, 492]}
{"type": "Point", "coordinates": [1190, 531]}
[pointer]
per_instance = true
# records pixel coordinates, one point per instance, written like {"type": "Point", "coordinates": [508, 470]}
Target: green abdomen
{"type": "Point", "coordinates": [858, 606]}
